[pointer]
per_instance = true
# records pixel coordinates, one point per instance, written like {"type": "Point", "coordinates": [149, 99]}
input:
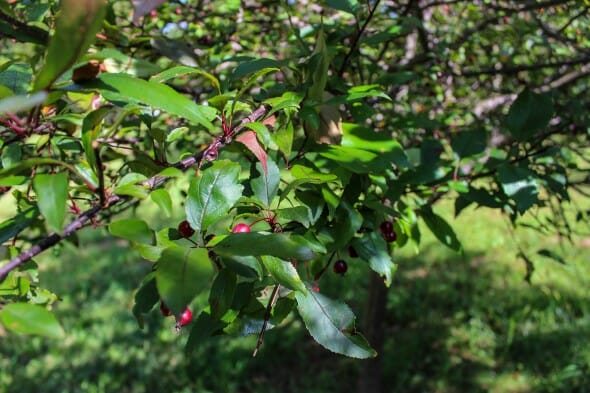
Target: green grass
{"type": "Point", "coordinates": [454, 323]}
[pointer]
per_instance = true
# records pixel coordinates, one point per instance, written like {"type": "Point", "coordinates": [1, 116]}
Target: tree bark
{"type": "Point", "coordinates": [370, 380]}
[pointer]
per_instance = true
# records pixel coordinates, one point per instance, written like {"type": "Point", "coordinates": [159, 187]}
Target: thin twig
{"type": "Point", "coordinates": [271, 302]}
{"type": "Point", "coordinates": [357, 37]}
{"type": "Point", "coordinates": [100, 174]}
{"type": "Point", "coordinates": [526, 67]}
{"type": "Point", "coordinates": [53, 238]}
{"type": "Point", "coordinates": [40, 35]}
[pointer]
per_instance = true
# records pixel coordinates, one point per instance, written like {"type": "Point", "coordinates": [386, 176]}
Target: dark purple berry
{"type": "Point", "coordinates": [185, 230]}
{"type": "Point", "coordinates": [390, 236]}
{"type": "Point", "coordinates": [340, 267]}
{"type": "Point", "coordinates": [386, 227]}
{"type": "Point", "coordinates": [352, 252]}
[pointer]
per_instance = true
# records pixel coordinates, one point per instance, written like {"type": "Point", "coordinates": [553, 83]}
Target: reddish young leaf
{"type": "Point", "coordinates": [248, 138]}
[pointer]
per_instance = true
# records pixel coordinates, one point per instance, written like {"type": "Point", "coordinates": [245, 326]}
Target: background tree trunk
{"type": "Point", "coordinates": [373, 327]}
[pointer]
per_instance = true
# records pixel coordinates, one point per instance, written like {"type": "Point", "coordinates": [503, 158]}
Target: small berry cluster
{"type": "Point", "coordinates": [387, 231]}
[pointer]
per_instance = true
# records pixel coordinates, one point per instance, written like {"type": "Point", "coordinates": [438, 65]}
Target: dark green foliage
{"type": "Point", "coordinates": [309, 123]}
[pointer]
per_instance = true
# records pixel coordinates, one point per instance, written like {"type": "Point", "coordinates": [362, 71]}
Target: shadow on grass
{"type": "Point", "coordinates": [454, 324]}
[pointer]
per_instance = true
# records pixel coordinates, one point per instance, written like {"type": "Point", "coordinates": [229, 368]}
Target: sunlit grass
{"type": "Point", "coordinates": [455, 322]}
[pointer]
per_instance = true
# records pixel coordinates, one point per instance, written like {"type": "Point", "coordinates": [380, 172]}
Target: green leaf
{"type": "Point", "coordinates": [76, 27]}
{"type": "Point", "coordinates": [281, 245]}
{"type": "Point", "coordinates": [372, 248]}
{"type": "Point", "coordinates": [122, 87]}
{"type": "Point", "coordinates": [319, 77]}
{"type": "Point", "coordinates": [148, 252]}
{"type": "Point", "coordinates": [284, 273]}
{"type": "Point", "coordinates": [181, 274]}
{"type": "Point", "coordinates": [288, 100]}
{"type": "Point", "coordinates": [90, 131]}
{"type": "Point", "coordinates": [17, 77]}
{"type": "Point", "coordinates": [26, 318]}
{"type": "Point", "coordinates": [245, 326]}
{"type": "Point", "coordinates": [177, 71]}
{"type": "Point", "coordinates": [356, 160]}
{"type": "Point", "coordinates": [552, 255]}
{"type": "Point", "coordinates": [347, 221]}
{"type": "Point", "coordinates": [222, 293]}
{"type": "Point", "coordinates": [310, 175]}
{"type": "Point", "coordinates": [52, 195]}
{"type": "Point", "coordinates": [252, 79]}
{"type": "Point", "coordinates": [384, 35]}
{"type": "Point", "coordinates": [11, 158]}
{"type": "Point", "coordinates": [305, 175]}
{"type": "Point", "coordinates": [212, 194]}
{"type": "Point", "coordinates": [132, 229]}
{"type": "Point", "coordinates": [131, 178]}
{"type": "Point", "coordinates": [32, 33]}
{"type": "Point", "coordinates": [12, 227]}
{"type": "Point", "coordinates": [246, 266]}
{"type": "Point", "coordinates": [529, 113]}
{"type": "Point", "coordinates": [21, 103]}
{"type": "Point", "coordinates": [145, 298]}
{"type": "Point", "coordinates": [116, 61]}
{"type": "Point", "coordinates": [331, 324]}
{"type": "Point", "coordinates": [299, 214]}
{"type": "Point", "coordinates": [10, 181]}
{"type": "Point", "coordinates": [440, 228]}
{"type": "Point", "coordinates": [357, 93]}
{"type": "Point", "coordinates": [87, 174]}
{"type": "Point", "coordinates": [176, 133]}
{"type": "Point", "coordinates": [162, 198]}
{"type": "Point", "coordinates": [266, 186]}
{"type": "Point", "coordinates": [349, 6]}
{"type": "Point", "coordinates": [261, 131]}
{"type": "Point", "coordinates": [133, 190]}
{"type": "Point", "coordinates": [257, 65]}
{"type": "Point", "coordinates": [203, 327]}
{"type": "Point", "coordinates": [22, 166]}
{"type": "Point", "coordinates": [283, 308]}
{"type": "Point", "coordinates": [520, 184]}
{"type": "Point", "coordinates": [284, 139]}
{"type": "Point", "coordinates": [469, 143]}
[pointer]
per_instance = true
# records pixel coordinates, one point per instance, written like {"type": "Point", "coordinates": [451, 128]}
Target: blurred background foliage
{"type": "Point", "coordinates": [453, 322]}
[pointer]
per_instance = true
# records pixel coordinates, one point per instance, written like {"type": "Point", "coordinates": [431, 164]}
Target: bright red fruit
{"type": "Point", "coordinates": [340, 267]}
{"type": "Point", "coordinates": [185, 230]}
{"type": "Point", "coordinates": [241, 228]}
{"type": "Point", "coordinates": [185, 318]}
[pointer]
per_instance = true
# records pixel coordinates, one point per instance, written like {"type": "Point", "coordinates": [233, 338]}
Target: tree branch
{"type": "Point", "coordinates": [19, 29]}
{"type": "Point", "coordinates": [525, 67]}
{"type": "Point", "coordinates": [53, 238]}
{"type": "Point", "coordinates": [356, 39]}
{"type": "Point", "coordinates": [271, 302]}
